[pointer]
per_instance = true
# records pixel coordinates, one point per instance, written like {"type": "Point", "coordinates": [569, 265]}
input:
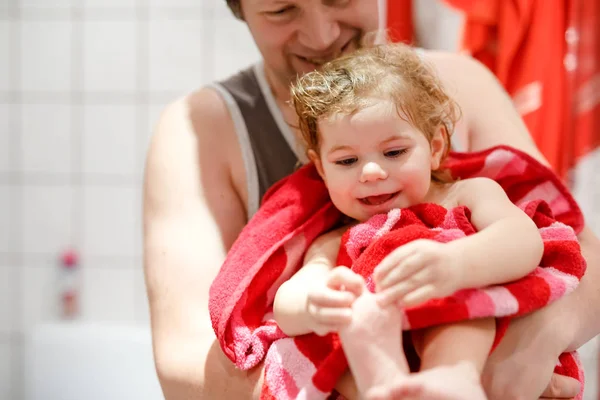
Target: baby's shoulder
{"type": "Point", "coordinates": [476, 184]}
{"type": "Point", "coordinates": [469, 190]}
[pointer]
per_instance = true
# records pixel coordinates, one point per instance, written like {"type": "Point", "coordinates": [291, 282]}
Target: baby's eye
{"type": "Point", "coordinates": [346, 161]}
{"type": "Point", "coordinates": [395, 153]}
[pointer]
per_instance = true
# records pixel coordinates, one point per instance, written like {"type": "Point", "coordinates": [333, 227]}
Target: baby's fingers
{"type": "Point", "coordinates": [397, 292]}
{"type": "Point", "coordinates": [420, 295]}
{"type": "Point", "coordinates": [403, 271]}
{"type": "Point", "coordinates": [322, 330]}
{"type": "Point", "coordinates": [326, 297]}
{"type": "Point", "coordinates": [330, 316]}
{"type": "Point", "coordinates": [344, 278]}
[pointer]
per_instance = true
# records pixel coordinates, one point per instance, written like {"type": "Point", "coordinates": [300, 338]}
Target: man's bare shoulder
{"type": "Point", "coordinates": [456, 69]}
{"type": "Point", "coordinates": [202, 112]}
{"type": "Point", "coordinates": [444, 59]}
{"type": "Point", "coordinates": [190, 169]}
{"type": "Point", "coordinates": [193, 136]}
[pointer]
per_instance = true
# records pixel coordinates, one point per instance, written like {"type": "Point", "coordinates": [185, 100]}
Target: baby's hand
{"type": "Point", "coordinates": [417, 272]}
{"type": "Point", "coordinates": [329, 304]}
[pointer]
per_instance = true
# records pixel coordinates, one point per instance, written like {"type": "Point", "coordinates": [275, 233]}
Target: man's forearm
{"type": "Point", "coordinates": [584, 302]}
{"type": "Point", "coordinates": [576, 313]}
{"type": "Point", "coordinates": [198, 370]}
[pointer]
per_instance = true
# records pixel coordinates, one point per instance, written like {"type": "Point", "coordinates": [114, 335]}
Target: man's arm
{"type": "Point", "coordinates": [491, 119]}
{"type": "Point", "coordinates": [192, 214]}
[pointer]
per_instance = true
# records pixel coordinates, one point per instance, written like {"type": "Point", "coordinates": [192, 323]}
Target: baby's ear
{"type": "Point", "coordinates": [439, 143]}
{"type": "Point", "coordinates": [314, 157]}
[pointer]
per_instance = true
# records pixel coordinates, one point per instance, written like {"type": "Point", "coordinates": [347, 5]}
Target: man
{"type": "Point", "coordinates": [217, 150]}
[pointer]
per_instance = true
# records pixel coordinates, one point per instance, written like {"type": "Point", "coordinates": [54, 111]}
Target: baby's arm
{"type": "Point", "coordinates": [313, 300]}
{"type": "Point", "coordinates": [507, 245]}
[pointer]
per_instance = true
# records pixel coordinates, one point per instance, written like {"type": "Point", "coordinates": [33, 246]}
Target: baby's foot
{"type": "Point", "coordinates": [455, 382]}
{"type": "Point", "coordinates": [373, 343]}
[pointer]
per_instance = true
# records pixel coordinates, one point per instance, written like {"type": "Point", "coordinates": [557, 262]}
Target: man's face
{"type": "Point", "coordinates": [297, 36]}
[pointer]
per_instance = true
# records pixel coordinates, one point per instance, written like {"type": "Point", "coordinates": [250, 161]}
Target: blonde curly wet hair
{"type": "Point", "coordinates": [390, 71]}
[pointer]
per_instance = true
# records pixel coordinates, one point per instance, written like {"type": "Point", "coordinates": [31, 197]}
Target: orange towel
{"type": "Point", "coordinates": [546, 55]}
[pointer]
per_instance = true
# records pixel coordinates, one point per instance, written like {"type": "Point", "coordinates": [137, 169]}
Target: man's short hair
{"type": "Point", "coordinates": [236, 8]}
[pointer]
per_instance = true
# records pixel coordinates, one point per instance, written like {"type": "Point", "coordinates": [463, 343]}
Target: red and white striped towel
{"type": "Point", "coordinates": [271, 247]}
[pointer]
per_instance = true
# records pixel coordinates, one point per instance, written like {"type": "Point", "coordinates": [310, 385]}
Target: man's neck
{"type": "Point", "coordinates": [280, 89]}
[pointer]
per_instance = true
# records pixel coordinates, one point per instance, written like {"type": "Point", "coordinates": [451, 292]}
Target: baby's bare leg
{"type": "Point", "coordinates": [373, 344]}
{"type": "Point", "coordinates": [452, 358]}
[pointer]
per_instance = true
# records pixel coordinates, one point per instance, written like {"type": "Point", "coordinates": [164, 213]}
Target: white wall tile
{"type": "Point", "coordinates": [235, 49]}
{"type": "Point", "coordinates": [6, 210]}
{"type": "Point", "coordinates": [5, 55]}
{"type": "Point", "coordinates": [108, 292]}
{"type": "Point", "coordinates": [46, 138]}
{"type": "Point", "coordinates": [6, 111]}
{"type": "Point", "coordinates": [109, 139]}
{"type": "Point", "coordinates": [109, 56]}
{"type": "Point", "coordinates": [47, 3]}
{"type": "Point", "coordinates": [219, 9]}
{"type": "Point", "coordinates": [46, 55]}
{"type": "Point", "coordinates": [176, 55]}
{"type": "Point", "coordinates": [109, 221]}
{"type": "Point", "coordinates": [46, 219]}
{"type": "Point", "coordinates": [40, 293]}
{"type": "Point", "coordinates": [181, 3]}
{"type": "Point", "coordinates": [110, 3]}
{"type": "Point", "coordinates": [8, 298]}
{"type": "Point", "coordinates": [5, 369]}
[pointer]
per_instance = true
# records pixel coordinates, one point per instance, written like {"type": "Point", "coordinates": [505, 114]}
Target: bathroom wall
{"type": "Point", "coordinates": [82, 83]}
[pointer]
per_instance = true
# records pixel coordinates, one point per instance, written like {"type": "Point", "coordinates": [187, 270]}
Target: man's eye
{"type": "Point", "coordinates": [338, 3]}
{"type": "Point", "coordinates": [281, 11]}
{"type": "Point", "coordinates": [346, 161]}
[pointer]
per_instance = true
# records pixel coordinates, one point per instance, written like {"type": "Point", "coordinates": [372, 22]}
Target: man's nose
{"type": "Point", "coordinates": [320, 30]}
{"type": "Point", "coordinates": [372, 171]}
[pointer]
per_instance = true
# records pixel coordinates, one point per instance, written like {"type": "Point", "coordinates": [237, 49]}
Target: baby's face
{"type": "Point", "coordinates": [373, 161]}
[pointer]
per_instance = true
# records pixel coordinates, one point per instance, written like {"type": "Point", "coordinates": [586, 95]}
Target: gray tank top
{"type": "Point", "coordinates": [269, 148]}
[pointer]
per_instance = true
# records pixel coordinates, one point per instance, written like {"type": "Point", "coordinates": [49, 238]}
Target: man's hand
{"type": "Point", "coordinates": [417, 272]}
{"type": "Point", "coordinates": [522, 365]}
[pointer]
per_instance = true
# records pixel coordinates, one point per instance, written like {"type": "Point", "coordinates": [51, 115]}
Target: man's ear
{"type": "Point", "coordinates": [439, 142]}
{"type": "Point", "coordinates": [314, 157]}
